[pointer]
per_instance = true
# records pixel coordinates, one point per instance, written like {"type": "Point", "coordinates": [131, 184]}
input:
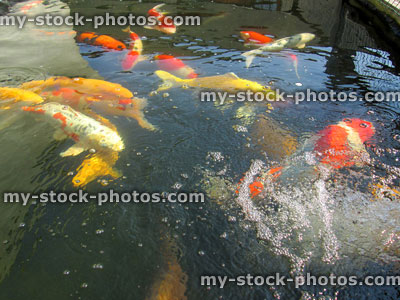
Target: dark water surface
{"type": "Point", "coordinates": [117, 251]}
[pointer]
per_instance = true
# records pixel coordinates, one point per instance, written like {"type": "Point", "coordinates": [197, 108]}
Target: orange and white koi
{"type": "Point", "coordinates": [102, 40]}
{"type": "Point", "coordinates": [86, 132]}
{"type": "Point", "coordinates": [255, 38]}
{"type": "Point", "coordinates": [135, 51]}
{"type": "Point", "coordinates": [164, 23]}
{"type": "Point", "coordinates": [175, 66]}
{"type": "Point", "coordinates": [111, 105]}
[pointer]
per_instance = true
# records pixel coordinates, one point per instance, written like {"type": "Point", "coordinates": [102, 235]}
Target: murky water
{"type": "Point", "coordinates": [121, 251]}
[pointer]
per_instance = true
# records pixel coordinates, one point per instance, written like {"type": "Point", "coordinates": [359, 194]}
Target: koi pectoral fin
{"type": "Point", "coordinates": [115, 173]}
{"type": "Point", "coordinates": [140, 118]}
{"type": "Point", "coordinates": [165, 86]}
{"type": "Point", "coordinates": [73, 150]}
{"type": "Point", "coordinates": [59, 135]}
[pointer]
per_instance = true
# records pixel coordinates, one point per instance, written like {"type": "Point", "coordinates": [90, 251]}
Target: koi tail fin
{"type": "Point", "coordinates": [169, 80]}
{"type": "Point", "coordinates": [157, 7]}
{"type": "Point", "coordinates": [250, 55]}
{"type": "Point", "coordinates": [137, 113]}
{"type": "Point", "coordinates": [127, 29]}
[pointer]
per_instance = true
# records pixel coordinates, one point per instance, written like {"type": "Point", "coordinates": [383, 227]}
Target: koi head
{"type": "Point", "coordinates": [306, 37]}
{"type": "Point", "coordinates": [364, 128]}
{"type": "Point", "coordinates": [108, 139]}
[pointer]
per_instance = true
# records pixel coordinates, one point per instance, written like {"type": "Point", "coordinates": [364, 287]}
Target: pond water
{"type": "Point", "coordinates": [340, 225]}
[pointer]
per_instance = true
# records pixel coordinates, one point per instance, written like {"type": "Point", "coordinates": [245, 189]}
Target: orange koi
{"type": "Point", "coordinates": [255, 38]}
{"type": "Point", "coordinates": [102, 40]}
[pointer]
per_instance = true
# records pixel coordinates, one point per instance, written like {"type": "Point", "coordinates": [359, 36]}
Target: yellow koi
{"type": "Point", "coordinates": [9, 96]}
{"type": "Point", "coordinates": [83, 85]}
{"type": "Point", "coordinates": [94, 166]}
{"type": "Point", "coordinates": [229, 82]}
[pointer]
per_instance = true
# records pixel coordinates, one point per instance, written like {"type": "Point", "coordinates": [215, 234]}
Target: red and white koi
{"type": "Point", "coordinates": [164, 23]}
{"type": "Point", "coordinates": [135, 51]}
{"type": "Point", "coordinates": [338, 144]}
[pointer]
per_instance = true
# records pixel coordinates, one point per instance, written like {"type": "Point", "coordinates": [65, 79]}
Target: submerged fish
{"type": "Point", "coordinates": [171, 280]}
{"type": "Point", "coordinates": [131, 108]}
{"type": "Point", "coordinates": [273, 138]}
{"type": "Point", "coordinates": [175, 66]}
{"type": "Point", "coordinates": [164, 23]}
{"type": "Point", "coordinates": [102, 40]}
{"type": "Point", "coordinates": [9, 96]}
{"type": "Point", "coordinates": [255, 38]}
{"type": "Point", "coordinates": [135, 51]}
{"type": "Point", "coordinates": [96, 165]}
{"type": "Point", "coordinates": [85, 131]}
{"type": "Point", "coordinates": [336, 146]}
{"type": "Point", "coordinates": [229, 82]}
{"type": "Point", "coordinates": [296, 41]}
{"type": "Point", "coordinates": [101, 88]}
{"type": "Point", "coordinates": [117, 106]}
